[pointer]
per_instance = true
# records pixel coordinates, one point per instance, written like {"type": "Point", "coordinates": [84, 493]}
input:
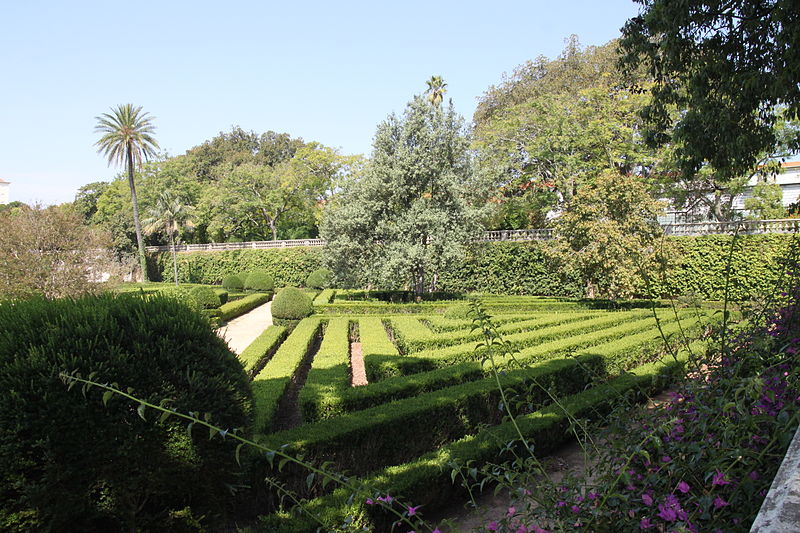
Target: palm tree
{"type": "Point", "coordinates": [170, 215]}
{"type": "Point", "coordinates": [436, 90]}
{"type": "Point", "coordinates": [127, 141]}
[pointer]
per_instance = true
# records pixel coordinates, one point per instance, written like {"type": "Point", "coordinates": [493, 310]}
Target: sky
{"type": "Point", "coordinates": [324, 71]}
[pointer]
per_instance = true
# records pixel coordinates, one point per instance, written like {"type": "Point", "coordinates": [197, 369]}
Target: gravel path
{"type": "Point", "coordinates": [357, 364]}
{"type": "Point", "coordinates": [243, 330]}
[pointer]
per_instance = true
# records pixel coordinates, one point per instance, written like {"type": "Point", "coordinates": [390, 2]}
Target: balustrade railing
{"type": "Point", "coordinates": [744, 227]}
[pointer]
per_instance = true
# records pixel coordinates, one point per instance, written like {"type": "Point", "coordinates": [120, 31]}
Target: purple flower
{"type": "Point", "coordinates": [370, 502]}
{"type": "Point", "coordinates": [666, 459]}
{"type": "Point", "coordinates": [719, 479]}
{"type": "Point", "coordinates": [666, 513]}
{"type": "Point", "coordinates": [684, 487]}
{"type": "Point", "coordinates": [753, 475]}
{"type": "Point", "coordinates": [647, 499]}
{"type": "Point", "coordinates": [561, 504]}
{"type": "Point", "coordinates": [385, 499]}
{"type": "Point", "coordinates": [592, 495]}
{"type": "Point", "coordinates": [719, 503]}
{"type": "Point", "coordinates": [492, 526]}
{"type": "Point", "coordinates": [645, 524]}
{"type": "Point", "coordinates": [412, 510]}
{"type": "Point", "coordinates": [575, 509]}
{"type": "Point", "coordinates": [511, 511]}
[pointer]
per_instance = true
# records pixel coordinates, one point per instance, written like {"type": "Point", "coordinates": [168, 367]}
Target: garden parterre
{"type": "Point", "coordinates": [430, 391]}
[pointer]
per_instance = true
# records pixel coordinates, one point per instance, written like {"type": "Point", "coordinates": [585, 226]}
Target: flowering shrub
{"type": "Point", "coordinates": [702, 461]}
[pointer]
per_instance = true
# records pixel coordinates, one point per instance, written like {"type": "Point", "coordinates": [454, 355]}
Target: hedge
{"type": "Point", "coordinates": [288, 266]}
{"type": "Point", "coordinates": [375, 346]}
{"type": "Point", "coordinates": [396, 432]}
{"type": "Point", "coordinates": [271, 383]}
{"type": "Point", "coordinates": [239, 307]}
{"type": "Point", "coordinates": [620, 355]}
{"type": "Point", "coordinates": [255, 355]}
{"type": "Point", "coordinates": [329, 374]}
{"type": "Point", "coordinates": [427, 480]}
{"type": "Point", "coordinates": [698, 267]}
{"type": "Point", "coordinates": [324, 297]}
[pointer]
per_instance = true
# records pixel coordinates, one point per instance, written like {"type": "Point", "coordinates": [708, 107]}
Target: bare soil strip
{"type": "Point", "coordinates": [357, 365]}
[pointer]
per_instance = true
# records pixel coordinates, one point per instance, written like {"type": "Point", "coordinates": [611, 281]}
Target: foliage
{"type": "Point", "coordinates": [457, 311]}
{"type": "Point", "coordinates": [766, 202]}
{"type": "Point", "coordinates": [610, 229]}
{"type": "Point", "coordinates": [730, 68]}
{"type": "Point", "coordinates": [288, 266]}
{"type": "Point", "coordinates": [319, 279]}
{"type": "Point", "coordinates": [262, 349]}
{"type": "Point", "coordinates": [241, 306]}
{"type": "Point", "coordinates": [702, 461]}
{"type": "Point", "coordinates": [206, 297]}
{"type": "Point", "coordinates": [408, 217]}
{"type": "Point", "coordinates": [48, 251]}
{"type": "Point", "coordinates": [555, 125]}
{"type": "Point", "coordinates": [291, 304]}
{"type": "Point", "coordinates": [91, 466]}
{"type": "Point", "coordinates": [232, 282]}
{"type": "Point", "coordinates": [127, 140]}
{"type": "Point", "coordinates": [436, 90]}
{"type": "Point", "coordinates": [259, 281]}
{"type": "Point", "coordinates": [169, 215]}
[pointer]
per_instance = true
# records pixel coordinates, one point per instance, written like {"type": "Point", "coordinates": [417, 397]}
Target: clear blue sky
{"type": "Point", "coordinates": [324, 71]}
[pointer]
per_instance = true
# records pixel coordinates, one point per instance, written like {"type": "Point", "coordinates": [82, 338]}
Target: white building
{"type": "Point", "coordinates": [789, 181]}
{"type": "Point", "coordinates": [4, 191]}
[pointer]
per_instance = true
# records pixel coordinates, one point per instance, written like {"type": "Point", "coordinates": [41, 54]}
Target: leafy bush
{"type": "Point", "coordinates": [319, 279]}
{"type": "Point", "coordinates": [184, 295]}
{"type": "Point", "coordinates": [259, 281]}
{"type": "Point", "coordinates": [206, 297]}
{"type": "Point", "coordinates": [222, 294]}
{"type": "Point", "coordinates": [291, 304]}
{"type": "Point", "coordinates": [232, 282]}
{"type": "Point", "coordinates": [457, 311]}
{"type": "Point", "coordinates": [80, 465]}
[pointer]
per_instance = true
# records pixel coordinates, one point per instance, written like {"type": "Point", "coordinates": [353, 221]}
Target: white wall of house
{"type": "Point", "coordinates": [4, 191]}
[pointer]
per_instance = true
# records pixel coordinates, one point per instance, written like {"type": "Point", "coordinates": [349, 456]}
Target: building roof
{"type": "Point", "coordinates": [791, 164]}
{"type": "Point", "coordinates": [4, 181]}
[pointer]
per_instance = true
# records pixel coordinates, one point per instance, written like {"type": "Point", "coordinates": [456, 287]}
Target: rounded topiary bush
{"type": "Point", "coordinates": [206, 297]}
{"type": "Point", "coordinates": [259, 281]}
{"type": "Point", "coordinates": [458, 311]}
{"type": "Point", "coordinates": [184, 295]}
{"type": "Point", "coordinates": [319, 279]}
{"type": "Point", "coordinates": [290, 306]}
{"type": "Point", "coordinates": [222, 294]}
{"type": "Point", "coordinates": [233, 282]}
{"type": "Point", "coordinates": [75, 463]}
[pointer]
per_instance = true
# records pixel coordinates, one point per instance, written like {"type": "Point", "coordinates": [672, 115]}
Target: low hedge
{"type": "Point", "coordinates": [573, 335]}
{"type": "Point", "coordinates": [427, 479]}
{"type": "Point", "coordinates": [330, 372]}
{"type": "Point", "coordinates": [271, 383]}
{"type": "Point", "coordinates": [324, 297]}
{"type": "Point", "coordinates": [205, 296]}
{"type": "Point", "coordinates": [259, 281]}
{"type": "Point", "coordinates": [620, 354]}
{"type": "Point", "coordinates": [232, 282]}
{"type": "Point", "coordinates": [255, 356]}
{"type": "Point", "coordinates": [239, 307]}
{"type": "Point", "coordinates": [375, 345]}
{"type": "Point", "coordinates": [366, 440]}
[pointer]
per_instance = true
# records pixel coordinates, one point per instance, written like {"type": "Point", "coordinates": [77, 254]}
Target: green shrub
{"type": "Point", "coordinates": [83, 465]}
{"type": "Point", "coordinates": [291, 304]}
{"type": "Point", "coordinates": [183, 295]}
{"type": "Point", "coordinates": [206, 297]}
{"type": "Point", "coordinates": [222, 294]}
{"type": "Point", "coordinates": [457, 311]}
{"type": "Point", "coordinates": [260, 350]}
{"type": "Point", "coordinates": [241, 306]}
{"type": "Point", "coordinates": [232, 282]}
{"type": "Point", "coordinates": [319, 279]}
{"type": "Point", "coordinates": [259, 281]}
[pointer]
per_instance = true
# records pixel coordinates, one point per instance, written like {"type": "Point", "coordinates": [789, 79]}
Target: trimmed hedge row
{"type": "Point", "coordinates": [330, 372]}
{"type": "Point", "coordinates": [255, 355]}
{"type": "Point", "coordinates": [288, 266]}
{"type": "Point", "coordinates": [241, 306]}
{"type": "Point", "coordinates": [698, 267]}
{"type": "Point", "coordinates": [532, 345]}
{"type": "Point", "coordinates": [324, 297]}
{"type": "Point", "coordinates": [620, 354]}
{"type": "Point", "coordinates": [270, 384]}
{"type": "Point", "coordinates": [375, 345]}
{"type": "Point", "coordinates": [413, 336]}
{"type": "Point", "coordinates": [366, 440]}
{"type": "Point", "coordinates": [427, 480]}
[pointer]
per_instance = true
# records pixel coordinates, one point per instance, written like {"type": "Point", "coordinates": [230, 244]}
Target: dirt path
{"type": "Point", "coordinates": [243, 330]}
{"type": "Point", "coordinates": [357, 364]}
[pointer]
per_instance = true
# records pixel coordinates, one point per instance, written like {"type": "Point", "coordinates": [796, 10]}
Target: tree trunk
{"type": "Point", "coordinates": [174, 257]}
{"type": "Point", "coordinates": [274, 229]}
{"type": "Point", "coordinates": [136, 223]}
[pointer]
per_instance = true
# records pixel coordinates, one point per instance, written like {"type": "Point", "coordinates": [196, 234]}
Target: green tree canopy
{"type": "Point", "coordinates": [729, 68]}
{"type": "Point", "coordinates": [408, 215]}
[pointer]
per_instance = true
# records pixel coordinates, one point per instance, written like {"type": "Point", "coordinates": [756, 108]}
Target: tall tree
{"type": "Point", "coordinates": [408, 215]}
{"type": "Point", "coordinates": [436, 90]}
{"type": "Point", "coordinates": [127, 141]}
{"type": "Point", "coordinates": [169, 214]}
{"type": "Point", "coordinates": [730, 68]}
